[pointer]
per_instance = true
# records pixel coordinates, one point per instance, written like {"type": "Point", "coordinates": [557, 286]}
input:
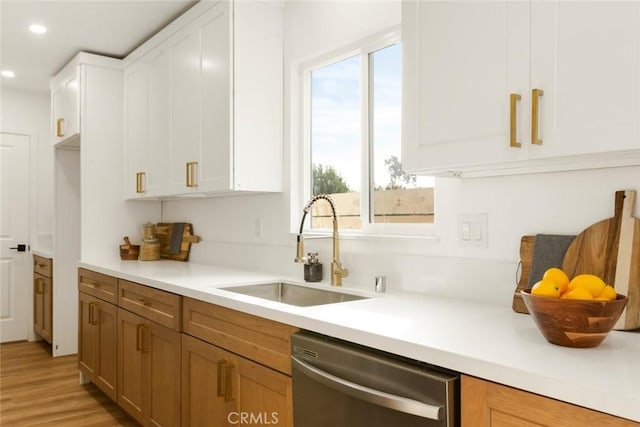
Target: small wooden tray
{"type": "Point", "coordinates": [164, 233]}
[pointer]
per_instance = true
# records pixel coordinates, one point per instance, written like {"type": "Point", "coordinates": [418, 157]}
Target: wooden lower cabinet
{"type": "Point", "coordinates": [485, 403]}
{"type": "Point", "coordinates": [97, 342]}
{"type": "Point", "coordinates": [220, 388]}
{"type": "Point", "coordinates": [42, 307]}
{"type": "Point", "coordinates": [148, 370]}
{"type": "Point", "coordinates": [43, 297]}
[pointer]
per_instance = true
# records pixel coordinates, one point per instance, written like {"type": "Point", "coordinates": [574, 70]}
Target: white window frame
{"type": "Point", "coordinates": [363, 48]}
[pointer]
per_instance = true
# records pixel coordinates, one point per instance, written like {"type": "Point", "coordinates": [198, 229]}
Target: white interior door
{"type": "Point", "coordinates": [15, 265]}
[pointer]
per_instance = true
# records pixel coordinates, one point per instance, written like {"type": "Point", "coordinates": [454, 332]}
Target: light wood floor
{"type": "Point", "coordinates": [39, 390]}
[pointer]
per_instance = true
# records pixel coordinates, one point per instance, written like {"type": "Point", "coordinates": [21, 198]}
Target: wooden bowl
{"type": "Point", "coordinates": [129, 252]}
{"type": "Point", "coordinates": [573, 323]}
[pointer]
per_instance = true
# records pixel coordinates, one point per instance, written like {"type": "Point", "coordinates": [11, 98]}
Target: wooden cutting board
{"type": "Point", "coordinates": [165, 235]}
{"type": "Point", "coordinates": [610, 249]}
{"type": "Point", "coordinates": [527, 244]}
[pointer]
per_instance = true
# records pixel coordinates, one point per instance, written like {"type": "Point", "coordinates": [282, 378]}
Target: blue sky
{"type": "Point", "coordinates": [336, 114]}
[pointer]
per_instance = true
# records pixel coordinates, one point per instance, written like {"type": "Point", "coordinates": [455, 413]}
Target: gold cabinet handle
{"type": "Point", "coordinates": [535, 96]}
{"type": "Point", "coordinates": [513, 120]}
{"type": "Point", "coordinates": [140, 182]}
{"type": "Point", "coordinates": [228, 380]}
{"type": "Point", "coordinates": [90, 283]}
{"type": "Point", "coordinates": [94, 318]}
{"type": "Point", "coordinates": [60, 128]}
{"type": "Point", "coordinates": [92, 313]}
{"type": "Point", "coordinates": [191, 174]}
{"type": "Point", "coordinates": [39, 289]}
{"type": "Point", "coordinates": [221, 383]}
{"type": "Point", "coordinates": [140, 337]}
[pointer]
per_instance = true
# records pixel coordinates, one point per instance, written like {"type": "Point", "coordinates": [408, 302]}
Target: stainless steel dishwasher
{"type": "Point", "coordinates": [340, 384]}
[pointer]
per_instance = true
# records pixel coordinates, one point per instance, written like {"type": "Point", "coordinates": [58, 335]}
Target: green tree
{"type": "Point", "coordinates": [326, 180]}
{"type": "Point", "coordinates": [399, 178]}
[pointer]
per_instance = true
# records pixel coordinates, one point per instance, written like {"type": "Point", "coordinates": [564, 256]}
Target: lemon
{"type": "Point", "coordinates": [578, 293]}
{"type": "Point", "coordinates": [590, 282]}
{"type": "Point", "coordinates": [546, 288]}
{"type": "Point", "coordinates": [608, 293]}
{"type": "Point", "coordinates": [559, 277]}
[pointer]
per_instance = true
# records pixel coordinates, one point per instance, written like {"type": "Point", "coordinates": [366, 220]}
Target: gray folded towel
{"type": "Point", "coordinates": [548, 251]}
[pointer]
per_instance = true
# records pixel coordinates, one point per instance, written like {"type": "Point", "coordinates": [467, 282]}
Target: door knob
{"type": "Point", "coordinates": [20, 248]}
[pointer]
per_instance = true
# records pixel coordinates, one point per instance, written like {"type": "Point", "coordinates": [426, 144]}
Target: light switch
{"type": "Point", "coordinates": [476, 231]}
{"type": "Point", "coordinates": [466, 230]}
{"type": "Point", "coordinates": [473, 229]}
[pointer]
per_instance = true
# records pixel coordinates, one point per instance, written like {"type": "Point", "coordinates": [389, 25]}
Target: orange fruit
{"type": "Point", "coordinates": [546, 288]}
{"type": "Point", "coordinates": [559, 277]}
{"type": "Point", "coordinates": [578, 293]}
{"type": "Point", "coordinates": [608, 292]}
{"type": "Point", "coordinates": [590, 282]}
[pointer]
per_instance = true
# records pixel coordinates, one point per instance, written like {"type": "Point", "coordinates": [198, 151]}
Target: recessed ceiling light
{"type": "Point", "coordinates": [37, 29]}
{"type": "Point", "coordinates": [7, 73]}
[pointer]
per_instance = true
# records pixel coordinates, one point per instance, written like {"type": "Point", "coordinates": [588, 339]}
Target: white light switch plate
{"type": "Point", "coordinates": [473, 230]}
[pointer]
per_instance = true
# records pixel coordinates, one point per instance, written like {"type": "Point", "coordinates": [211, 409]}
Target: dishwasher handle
{"type": "Point", "coordinates": [377, 397]}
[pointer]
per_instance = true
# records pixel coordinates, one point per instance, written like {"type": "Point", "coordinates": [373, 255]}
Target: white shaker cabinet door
{"type": "Point", "coordinates": [158, 129]}
{"type": "Point", "coordinates": [135, 107]}
{"type": "Point", "coordinates": [184, 48]}
{"type": "Point", "coordinates": [57, 107]}
{"type": "Point", "coordinates": [462, 60]}
{"type": "Point", "coordinates": [214, 169]}
{"type": "Point", "coordinates": [65, 99]}
{"type": "Point", "coordinates": [585, 56]}
{"type": "Point", "coordinates": [72, 106]}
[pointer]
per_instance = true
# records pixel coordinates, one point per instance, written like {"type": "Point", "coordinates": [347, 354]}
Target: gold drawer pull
{"type": "Point", "coordinates": [59, 128]}
{"type": "Point", "coordinates": [535, 98]}
{"type": "Point", "coordinates": [91, 283]}
{"type": "Point", "coordinates": [513, 119]}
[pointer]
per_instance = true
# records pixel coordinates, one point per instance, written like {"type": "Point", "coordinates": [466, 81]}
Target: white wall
{"type": "Point", "coordinates": [254, 231]}
{"type": "Point", "coordinates": [28, 112]}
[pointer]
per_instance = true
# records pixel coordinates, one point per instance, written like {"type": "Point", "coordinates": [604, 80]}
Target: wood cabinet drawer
{"type": "Point", "coordinates": [160, 306]}
{"type": "Point", "coordinates": [256, 338]}
{"type": "Point", "coordinates": [99, 285]}
{"type": "Point", "coordinates": [43, 266]}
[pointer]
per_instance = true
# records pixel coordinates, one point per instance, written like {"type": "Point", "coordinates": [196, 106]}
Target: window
{"type": "Point", "coordinates": [354, 143]}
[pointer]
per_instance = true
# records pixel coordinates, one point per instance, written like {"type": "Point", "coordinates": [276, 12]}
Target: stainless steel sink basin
{"type": "Point", "coordinates": [288, 293]}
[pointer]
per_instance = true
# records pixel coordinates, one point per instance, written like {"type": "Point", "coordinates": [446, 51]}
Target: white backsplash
{"type": "Point", "coordinates": [561, 203]}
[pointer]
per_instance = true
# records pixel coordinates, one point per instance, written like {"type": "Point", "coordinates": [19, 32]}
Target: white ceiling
{"type": "Point", "coordinates": [107, 27]}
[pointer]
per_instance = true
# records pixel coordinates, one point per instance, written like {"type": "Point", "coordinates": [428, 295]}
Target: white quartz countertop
{"type": "Point", "coordinates": [44, 253]}
{"type": "Point", "coordinates": [478, 339]}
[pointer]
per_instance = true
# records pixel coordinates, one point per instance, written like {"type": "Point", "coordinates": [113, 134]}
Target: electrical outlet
{"type": "Point", "coordinates": [473, 230]}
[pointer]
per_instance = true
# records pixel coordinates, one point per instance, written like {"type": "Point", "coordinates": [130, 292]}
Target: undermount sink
{"type": "Point", "coordinates": [288, 293]}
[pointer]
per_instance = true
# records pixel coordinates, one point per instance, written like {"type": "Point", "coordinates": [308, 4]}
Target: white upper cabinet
{"type": "Point", "coordinates": [585, 55]}
{"type": "Point", "coordinates": [470, 70]}
{"type": "Point", "coordinates": [65, 100]}
{"type": "Point", "coordinates": [136, 129]}
{"type": "Point", "coordinates": [158, 123]}
{"type": "Point", "coordinates": [147, 125]}
{"type": "Point", "coordinates": [214, 103]}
